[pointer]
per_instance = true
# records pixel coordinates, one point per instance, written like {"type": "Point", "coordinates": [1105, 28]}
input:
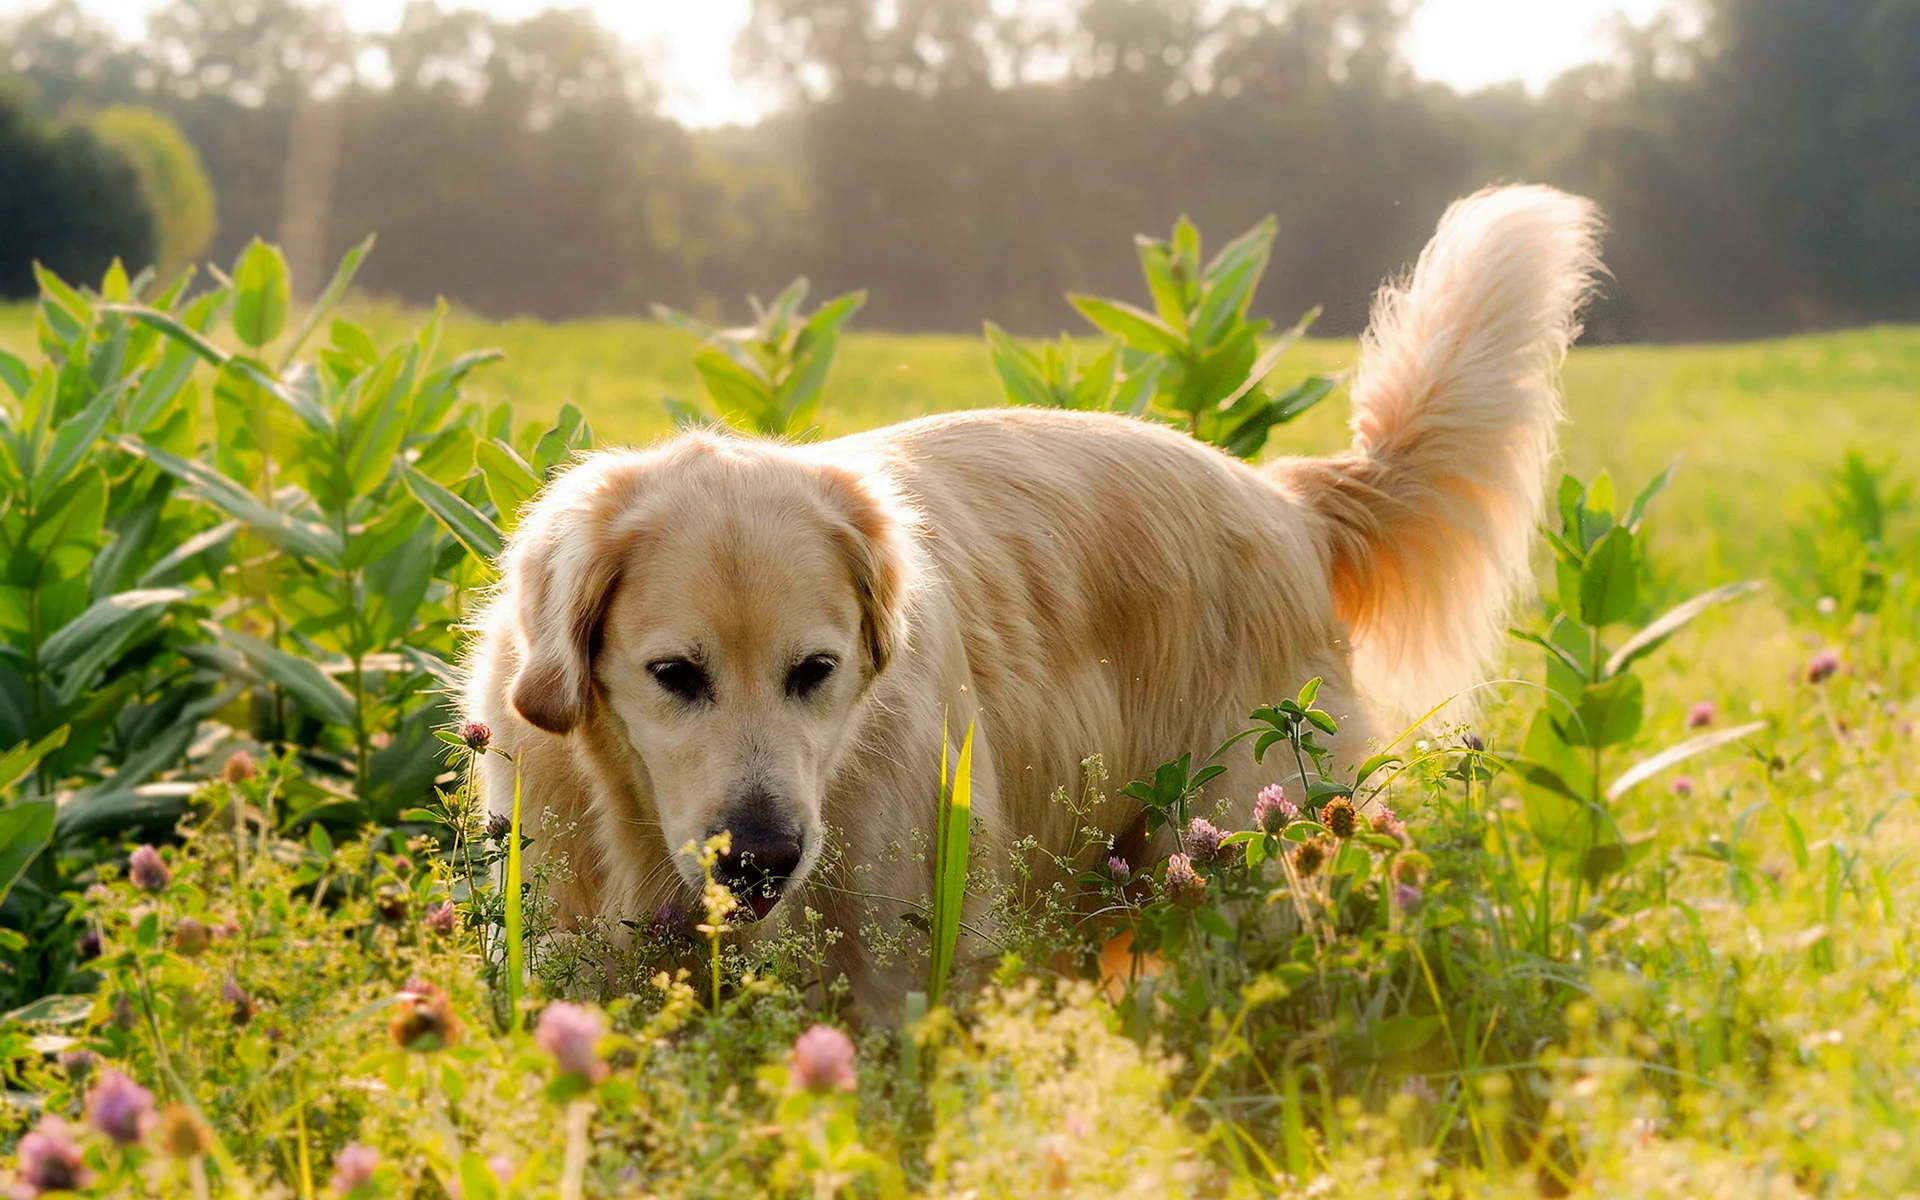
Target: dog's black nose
{"type": "Point", "coordinates": [764, 854]}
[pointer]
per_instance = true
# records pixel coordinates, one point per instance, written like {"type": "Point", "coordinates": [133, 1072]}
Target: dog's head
{"type": "Point", "coordinates": [721, 606]}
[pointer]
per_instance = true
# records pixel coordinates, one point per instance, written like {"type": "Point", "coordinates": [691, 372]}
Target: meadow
{"type": "Point", "coordinates": [290, 976]}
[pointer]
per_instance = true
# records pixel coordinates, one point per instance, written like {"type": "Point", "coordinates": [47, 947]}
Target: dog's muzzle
{"type": "Point", "coordinates": [766, 849]}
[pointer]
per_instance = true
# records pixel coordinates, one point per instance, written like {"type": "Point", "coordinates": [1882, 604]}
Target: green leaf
{"type": "Point", "coordinates": [1674, 755]}
{"type": "Point", "coordinates": [468, 524]}
{"type": "Point", "coordinates": [1609, 712]}
{"type": "Point", "coordinates": [25, 830]}
{"type": "Point", "coordinates": [1019, 371]}
{"type": "Point", "coordinates": [1403, 1035]}
{"type": "Point", "coordinates": [1637, 511]}
{"type": "Point", "coordinates": [477, 1180]}
{"type": "Point", "coordinates": [15, 763]}
{"type": "Point", "coordinates": [735, 390]}
{"type": "Point", "coordinates": [75, 440]}
{"type": "Point", "coordinates": [174, 328]}
{"type": "Point", "coordinates": [510, 481]}
{"type": "Point", "coordinates": [14, 373]}
{"type": "Point", "coordinates": [1373, 764]}
{"type": "Point", "coordinates": [1169, 295]}
{"type": "Point", "coordinates": [79, 650]}
{"type": "Point", "coordinates": [1609, 583]}
{"type": "Point", "coordinates": [298, 677]}
{"type": "Point", "coordinates": [1141, 330]}
{"type": "Point", "coordinates": [1672, 621]}
{"type": "Point", "coordinates": [1229, 282]}
{"type": "Point", "coordinates": [289, 532]}
{"type": "Point", "coordinates": [260, 294]}
{"type": "Point", "coordinates": [336, 288]}
{"type": "Point", "coordinates": [951, 856]}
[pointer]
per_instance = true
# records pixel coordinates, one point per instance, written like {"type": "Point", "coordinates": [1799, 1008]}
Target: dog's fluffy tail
{"type": "Point", "coordinates": [1430, 517]}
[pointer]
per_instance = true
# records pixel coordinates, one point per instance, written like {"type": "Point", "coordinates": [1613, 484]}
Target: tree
{"type": "Point", "coordinates": [66, 201]}
{"type": "Point", "coordinates": [171, 178]}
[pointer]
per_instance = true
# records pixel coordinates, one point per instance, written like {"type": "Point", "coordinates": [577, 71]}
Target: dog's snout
{"type": "Point", "coordinates": [765, 849]}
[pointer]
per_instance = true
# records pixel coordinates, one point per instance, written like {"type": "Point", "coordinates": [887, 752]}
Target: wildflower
{"type": "Point", "coordinates": [50, 1160]}
{"type": "Point", "coordinates": [353, 1168]}
{"type": "Point", "coordinates": [90, 945]}
{"type": "Point", "coordinates": [1473, 742]}
{"type": "Point", "coordinates": [1702, 715]}
{"type": "Point", "coordinates": [78, 1064]}
{"type": "Point", "coordinates": [1826, 606]}
{"type": "Point", "coordinates": [1184, 885]}
{"type": "Point", "coordinates": [1340, 818]}
{"type": "Point", "coordinates": [569, 1033]}
{"type": "Point", "coordinates": [670, 920]}
{"type": "Point", "coordinates": [476, 735]}
{"type": "Point", "coordinates": [1682, 786]}
{"type": "Point", "coordinates": [499, 825]}
{"type": "Point", "coordinates": [190, 937]}
{"type": "Point", "coordinates": [243, 1005]}
{"type": "Point", "coordinates": [120, 1108]}
{"type": "Point", "coordinates": [403, 866]}
{"type": "Point", "coordinates": [1120, 869]}
{"type": "Point", "coordinates": [182, 1134]}
{"type": "Point", "coordinates": [1407, 870]}
{"type": "Point", "coordinates": [1822, 666]}
{"type": "Point", "coordinates": [147, 871]}
{"type": "Point", "coordinates": [391, 904]}
{"type": "Point", "coordinates": [423, 1018]}
{"type": "Point", "coordinates": [1407, 897]}
{"type": "Point", "coordinates": [1308, 857]}
{"type": "Point", "coordinates": [1272, 811]}
{"type": "Point", "coordinates": [1420, 1089]}
{"type": "Point", "coordinates": [123, 1016]}
{"type": "Point", "coordinates": [1205, 840]}
{"type": "Point", "coordinates": [1387, 823]}
{"type": "Point", "coordinates": [440, 918]}
{"type": "Point", "coordinates": [502, 1168]}
{"type": "Point", "coordinates": [823, 1061]}
{"type": "Point", "coordinates": [240, 767]}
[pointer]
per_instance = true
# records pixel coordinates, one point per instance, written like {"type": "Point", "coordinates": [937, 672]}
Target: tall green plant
{"type": "Point", "coordinates": [1194, 361]}
{"type": "Point", "coordinates": [769, 376]}
{"type": "Point", "coordinates": [1596, 702]}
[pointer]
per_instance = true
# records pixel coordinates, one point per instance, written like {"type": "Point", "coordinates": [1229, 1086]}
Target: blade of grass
{"type": "Point", "coordinates": [953, 834]}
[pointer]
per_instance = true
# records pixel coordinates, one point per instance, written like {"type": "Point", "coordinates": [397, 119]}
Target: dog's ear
{"type": "Point", "coordinates": [875, 537]}
{"type": "Point", "coordinates": [563, 568]}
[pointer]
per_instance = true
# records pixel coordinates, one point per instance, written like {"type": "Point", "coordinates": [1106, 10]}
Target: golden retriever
{"type": "Point", "coordinates": [725, 633]}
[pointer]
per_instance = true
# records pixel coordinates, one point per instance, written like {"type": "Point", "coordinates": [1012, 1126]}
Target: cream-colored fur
{"type": "Point", "coordinates": [1076, 584]}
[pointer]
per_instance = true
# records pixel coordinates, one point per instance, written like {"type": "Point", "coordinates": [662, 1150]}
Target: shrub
{"type": "Point", "coordinates": [66, 201]}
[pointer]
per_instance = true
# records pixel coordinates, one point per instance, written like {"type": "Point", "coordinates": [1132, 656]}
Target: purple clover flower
{"type": "Point", "coordinates": [569, 1032]}
{"type": "Point", "coordinates": [823, 1061]}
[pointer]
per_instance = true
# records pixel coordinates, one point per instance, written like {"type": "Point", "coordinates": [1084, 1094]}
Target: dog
{"type": "Point", "coordinates": [723, 633]}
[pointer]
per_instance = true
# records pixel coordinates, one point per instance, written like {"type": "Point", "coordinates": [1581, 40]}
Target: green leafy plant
{"type": "Point", "coordinates": [1195, 361]}
{"type": "Point", "coordinates": [1116, 379]}
{"type": "Point", "coordinates": [769, 376]}
{"type": "Point", "coordinates": [1596, 702]}
{"type": "Point", "coordinates": [1848, 560]}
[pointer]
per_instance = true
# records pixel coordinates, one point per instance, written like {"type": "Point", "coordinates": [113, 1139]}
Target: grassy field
{"type": "Point", "coordinates": [1754, 426]}
{"type": "Point", "coordinates": [1730, 1013]}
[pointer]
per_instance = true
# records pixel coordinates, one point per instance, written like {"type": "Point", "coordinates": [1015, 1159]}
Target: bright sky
{"type": "Point", "coordinates": [1467, 43]}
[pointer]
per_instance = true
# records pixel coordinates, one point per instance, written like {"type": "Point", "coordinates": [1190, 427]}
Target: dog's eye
{"type": "Point", "coordinates": [805, 678]}
{"type": "Point", "coordinates": [682, 679]}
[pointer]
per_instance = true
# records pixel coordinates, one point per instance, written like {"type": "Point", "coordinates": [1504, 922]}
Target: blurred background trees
{"type": "Point", "coordinates": [1761, 164]}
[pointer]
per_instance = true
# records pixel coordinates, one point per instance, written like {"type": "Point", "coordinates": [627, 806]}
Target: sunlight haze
{"type": "Point", "coordinates": [1466, 43]}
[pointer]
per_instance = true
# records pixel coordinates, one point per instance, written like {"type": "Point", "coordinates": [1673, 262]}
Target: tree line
{"type": "Point", "coordinates": [1760, 164]}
